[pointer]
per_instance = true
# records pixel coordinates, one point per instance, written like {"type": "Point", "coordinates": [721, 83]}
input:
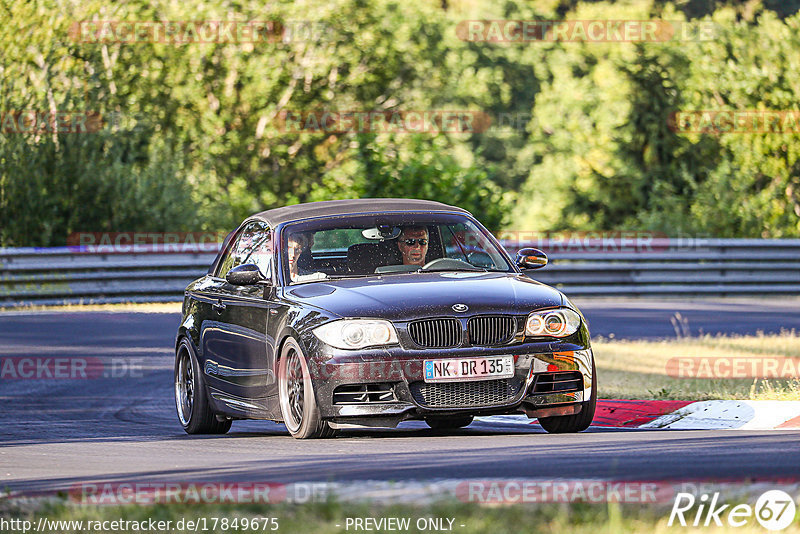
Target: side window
{"type": "Point", "coordinates": [261, 253]}
{"type": "Point", "coordinates": [251, 238]}
{"type": "Point", "coordinates": [226, 263]}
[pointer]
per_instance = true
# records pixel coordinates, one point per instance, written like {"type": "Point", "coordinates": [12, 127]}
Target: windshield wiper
{"type": "Point", "coordinates": [445, 269]}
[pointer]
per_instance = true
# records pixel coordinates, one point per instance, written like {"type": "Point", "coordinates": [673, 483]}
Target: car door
{"type": "Point", "coordinates": [234, 338]}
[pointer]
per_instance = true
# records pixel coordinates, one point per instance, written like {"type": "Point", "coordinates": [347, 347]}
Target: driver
{"type": "Point", "coordinates": [413, 245]}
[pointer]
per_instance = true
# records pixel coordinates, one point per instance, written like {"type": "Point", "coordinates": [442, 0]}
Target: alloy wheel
{"type": "Point", "coordinates": [294, 391]}
{"type": "Point", "coordinates": [184, 388]}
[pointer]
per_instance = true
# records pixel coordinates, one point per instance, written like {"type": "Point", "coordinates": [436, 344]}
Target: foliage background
{"type": "Point", "coordinates": [197, 145]}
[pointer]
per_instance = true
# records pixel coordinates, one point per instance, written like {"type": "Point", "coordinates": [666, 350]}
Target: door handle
{"type": "Point", "coordinates": [219, 306]}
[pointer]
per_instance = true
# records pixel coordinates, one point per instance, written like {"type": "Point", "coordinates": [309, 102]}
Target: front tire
{"type": "Point", "coordinates": [296, 395]}
{"type": "Point", "coordinates": [191, 398]}
{"type": "Point", "coordinates": [574, 423]}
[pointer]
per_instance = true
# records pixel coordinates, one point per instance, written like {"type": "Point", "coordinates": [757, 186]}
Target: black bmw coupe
{"type": "Point", "coordinates": [355, 313]}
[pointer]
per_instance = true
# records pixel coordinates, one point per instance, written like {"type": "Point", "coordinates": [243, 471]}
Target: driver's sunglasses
{"type": "Point", "coordinates": [412, 242]}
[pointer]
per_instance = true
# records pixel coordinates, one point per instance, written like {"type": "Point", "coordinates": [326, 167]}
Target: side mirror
{"type": "Point", "coordinates": [247, 274]}
{"type": "Point", "coordinates": [531, 258]}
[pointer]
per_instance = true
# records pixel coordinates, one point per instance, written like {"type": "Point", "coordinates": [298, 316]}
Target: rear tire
{"type": "Point", "coordinates": [191, 400]}
{"type": "Point", "coordinates": [564, 424]}
{"type": "Point", "coordinates": [449, 423]}
{"type": "Point", "coordinates": [296, 395]}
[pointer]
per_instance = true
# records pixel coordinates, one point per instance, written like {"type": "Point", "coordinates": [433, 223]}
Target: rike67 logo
{"type": "Point", "coordinates": [774, 510]}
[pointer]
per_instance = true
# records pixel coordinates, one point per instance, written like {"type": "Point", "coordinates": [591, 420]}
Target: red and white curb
{"type": "Point", "coordinates": [685, 415]}
{"type": "Point", "coordinates": [732, 414]}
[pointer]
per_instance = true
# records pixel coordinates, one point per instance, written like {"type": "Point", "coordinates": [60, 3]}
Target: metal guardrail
{"type": "Point", "coordinates": [674, 267]}
{"type": "Point", "coordinates": [582, 268]}
{"type": "Point", "coordinates": [64, 275]}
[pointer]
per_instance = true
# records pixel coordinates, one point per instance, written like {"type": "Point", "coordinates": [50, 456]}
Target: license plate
{"type": "Point", "coordinates": [456, 369]}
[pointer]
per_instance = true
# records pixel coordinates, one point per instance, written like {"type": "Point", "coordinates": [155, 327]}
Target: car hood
{"type": "Point", "coordinates": [411, 296]}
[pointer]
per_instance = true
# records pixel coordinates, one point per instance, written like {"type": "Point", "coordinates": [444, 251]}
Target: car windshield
{"type": "Point", "coordinates": [386, 244]}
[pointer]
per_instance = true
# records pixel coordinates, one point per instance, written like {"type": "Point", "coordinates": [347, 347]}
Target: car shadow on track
{"type": "Point", "coordinates": [653, 455]}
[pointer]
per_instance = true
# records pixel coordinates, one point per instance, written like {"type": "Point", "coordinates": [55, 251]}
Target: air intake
{"type": "Point", "coordinates": [475, 394]}
{"type": "Point", "coordinates": [557, 382]}
{"type": "Point", "coordinates": [364, 394]}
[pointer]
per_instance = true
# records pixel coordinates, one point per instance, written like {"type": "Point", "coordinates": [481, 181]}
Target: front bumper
{"type": "Point", "coordinates": [400, 372]}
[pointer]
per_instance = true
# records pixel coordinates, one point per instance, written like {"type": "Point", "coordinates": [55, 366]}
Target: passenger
{"type": "Point", "coordinates": [300, 259]}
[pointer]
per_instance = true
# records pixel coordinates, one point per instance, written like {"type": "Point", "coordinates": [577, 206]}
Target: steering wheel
{"type": "Point", "coordinates": [449, 263]}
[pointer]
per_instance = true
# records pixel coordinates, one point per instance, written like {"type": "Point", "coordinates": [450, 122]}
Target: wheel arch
{"type": "Point", "coordinates": [287, 332]}
{"type": "Point", "coordinates": [186, 335]}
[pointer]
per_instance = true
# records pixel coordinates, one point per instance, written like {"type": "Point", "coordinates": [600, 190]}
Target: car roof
{"type": "Point", "coordinates": [327, 208]}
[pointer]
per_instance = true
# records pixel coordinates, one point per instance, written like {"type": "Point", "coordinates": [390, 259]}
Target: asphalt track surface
{"type": "Point", "coordinates": [55, 433]}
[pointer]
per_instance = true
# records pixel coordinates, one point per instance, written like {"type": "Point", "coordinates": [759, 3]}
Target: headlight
{"type": "Point", "coordinates": [561, 322]}
{"type": "Point", "coordinates": [356, 333]}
